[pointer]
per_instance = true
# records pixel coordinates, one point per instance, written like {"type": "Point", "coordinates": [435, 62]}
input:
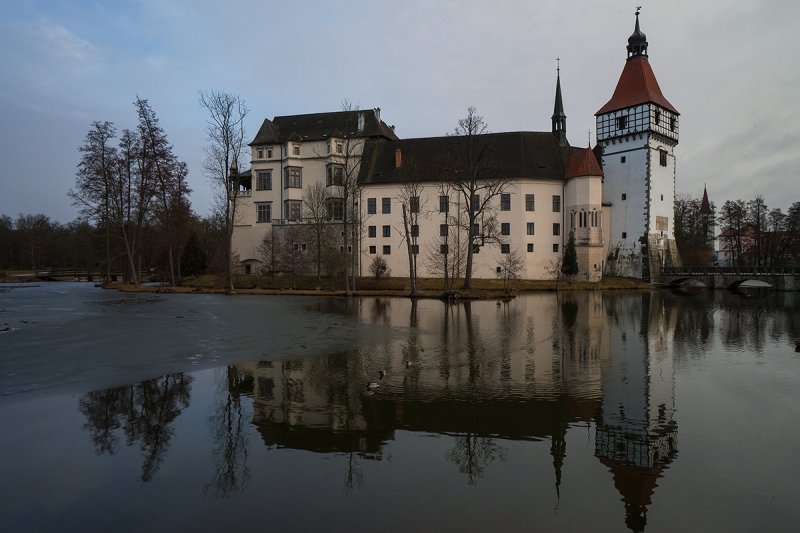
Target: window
{"type": "Point", "coordinates": [263, 212]}
{"type": "Point", "coordinates": [269, 153]}
{"type": "Point", "coordinates": [622, 159]}
{"type": "Point", "coordinates": [556, 204]}
{"type": "Point", "coordinates": [624, 196]}
{"type": "Point", "coordinates": [662, 197]}
{"type": "Point", "coordinates": [303, 247]}
{"type": "Point", "coordinates": [505, 228]}
{"type": "Point", "coordinates": [505, 202]}
{"type": "Point", "coordinates": [415, 230]}
{"type": "Point", "coordinates": [624, 234]}
{"type": "Point", "coordinates": [444, 204]}
{"type": "Point", "coordinates": [387, 250]}
{"type": "Point", "coordinates": [556, 229]}
{"type": "Point", "coordinates": [386, 206]}
{"type": "Point", "coordinates": [476, 202]}
{"type": "Point", "coordinates": [339, 148]}
{"type": "Point", "coordinates": [293, 178]}
{"type": "Point", "coordinates": [505, 248]}
{"type": "Point", "coordinates": [387, 231]}
{"type": "Point", "coordinates": [530, 247]}
{"type": "Point", "coordinates": [555, 247]}
{"type": "Point", "coordinates": [622, 122]}
{"type": "Point", "coordinates": [329, 147]}
{"type": "Point", "coordinates": [443, 249]}
{"type": "Point", "coordinates": [336, 208]}
{"type": "Point", "coordinates": [658, 117]}
{"type": "Point", "coordinates": [373, 232]}
{"type": "Point", "coordinates": [529, 203]}
{"type": "Point", "coordinates": [476, 230]}
{"type": "Point", "coordinates": [264, 181]}
{"type": "Point", "coordinates": [413, 204]}
{"type": "Point", "coordinates": [296, 149]}
{"type": "Point", "coordinates": [260, 153]}
{"type": "Point", "coordinates": [373, 249]}
{"type": "Point", "coordinates": [663, 157]}
{"type": "Point", "coordinates": [335, 175]}
{"type": "Point", "coordinates": [415, 249]}
{"type": "Point", "coordinates": [292, 208]}
{"type": "Point", "coordinates": [443, 229]}
{"type": "Point", "coordinates": [672, 123]}
{"type": "Point", "coordinates": [531, 228]}
{"type": "Point", "coordinates": [371, 207]}
{"type": "Point", "coordinates": [476, 248]}
{"type": "Point", "coordinates": [582, 219]}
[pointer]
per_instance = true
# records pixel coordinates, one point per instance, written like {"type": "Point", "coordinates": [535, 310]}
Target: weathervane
{"type": "Point", "coordinates": [558, 65]}
{"type": "Point", "coordinates": [590, 137]}
{"type": "Point", "coordinates": [638, 8]}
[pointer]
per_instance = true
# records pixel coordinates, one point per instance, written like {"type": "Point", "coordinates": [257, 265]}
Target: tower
{"type": "Point", "coordinates": [637, 131]}
{"type": "Point", "coordinates": [559, 119]}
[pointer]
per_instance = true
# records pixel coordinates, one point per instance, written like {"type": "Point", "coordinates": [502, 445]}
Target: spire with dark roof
{"type": "Point", "coordinates": [637, 42]}
{"type": "Point", "coordinates": [559, 118]}
{"type": "Point", "coordinates": [705, 207]}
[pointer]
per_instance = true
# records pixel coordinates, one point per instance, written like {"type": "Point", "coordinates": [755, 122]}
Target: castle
{"type": "Point", "coordinates": [615, 199]}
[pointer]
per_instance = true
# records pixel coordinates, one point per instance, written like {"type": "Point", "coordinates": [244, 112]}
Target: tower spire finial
{"type": "Point", "coordinates": [637, 42]}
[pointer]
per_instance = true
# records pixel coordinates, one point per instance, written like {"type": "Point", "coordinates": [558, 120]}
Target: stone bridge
{"type": "Point", "coordinates": [781, 279]}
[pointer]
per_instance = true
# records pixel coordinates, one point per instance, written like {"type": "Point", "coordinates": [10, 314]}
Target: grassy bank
{"type": "Point", "coordinates": [389, 287]}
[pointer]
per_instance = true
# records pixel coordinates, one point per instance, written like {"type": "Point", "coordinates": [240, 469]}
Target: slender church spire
{"type": "Point", "coordinates": [559, 119]}
{"type": "Point", "coordinates": [637, 42]}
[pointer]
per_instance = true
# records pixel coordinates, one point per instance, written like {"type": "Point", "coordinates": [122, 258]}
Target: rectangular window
{"type": "Point", "coordinates": [555, 247]}
{"type": "Point", "coordinates": [505, 248]}
{"type": "Point", "coordinates": [622, 159]}
{"type": "Point", "coordinates": [387, 250]}
{"type": "Point", "coordinates": [292, 209]}
{"type": "Point", "coordinates": [476, 248]}
{"type": "Point", "coordinates": [556, 204]}
{"type": "Point", "coordinates": [296, 149]}
{"type": "Point", "coordinates": [387, 231]}
{"type": "Point", "coordinates": [444, 204]}
{"type": "Point", "coordinates": [303, 247]}
{"type": "Point", "coordinates": [373, 232]}
{"type": "Point", "coordinates": [339, 148]}
{"type": "Point", "coordinates": [264, 181]}
{"type": "Point", "coordinates": [663, 157]}
{"type": "Point", "coordinates": [413, 204]}
{"type": "Point", "coordinates": [556, 229]}
{"type": "Point", "coordinates": [530, 247]}
{"type": "Point", "coordinates": [293, 178]}
{"type": "Point", "coordinates": [672, 123]}
{"type": "Point", "coordinates": [529, 203]}
{"type": "Point", "coordinates": [260, 153]}
{"type": "Point", "coordinates": [386, 206]}
{"type": "Point", "coordinates": [505, 202]}
{"type": "Point", "coordinates": [443, 249]}
{"type": "Point", "coordinates": [624, 234]}
{"type": "Point", "coordinates": [415, 249]}
{"type": "Point", "coordinates": [443, 229]}
{"type": "Point", "coordinates": [476, 202]}
{"type": "Point", "coordinates": [373, 249]}
{"type": "Point", "coordinates": [505, 228]}
{"type": "Point", "coordinates": [263, 212]}
{"type": "Point", "coordinates": [415, 230]}
{"type": "Point", "coordinates": [269, 153]}
{"type": "Point", "coordinates": [658, 117]}
{"type": "Point", "coordinates": [476, 230]}
{"type": "Point", "coordinates": [622, 122]}
{"type": "Point", "coordinates": [531, 228]}
{"type": "Point", "coordinates": [336, 208]}
{"type": "Point", "coordinates": [371, 206]}
{"type": "Point", "coordinates": [624, 196]}
{"type": "Point", "coordinates": [335, 176]}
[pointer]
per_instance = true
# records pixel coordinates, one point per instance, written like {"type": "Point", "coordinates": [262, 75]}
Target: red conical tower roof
{"type": "Point", "coordinates": [583, 163]}
{"type": "Point", "coordinates": [637, 85]}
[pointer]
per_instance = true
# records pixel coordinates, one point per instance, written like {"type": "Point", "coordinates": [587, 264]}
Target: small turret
{"type": "Point", "coordinates": [559, 118]}
{"type": "Point", "coordinates": [637, 42]}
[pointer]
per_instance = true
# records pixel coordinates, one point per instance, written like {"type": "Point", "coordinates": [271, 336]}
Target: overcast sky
{"type": "Point", "coordinates": [732, 69]}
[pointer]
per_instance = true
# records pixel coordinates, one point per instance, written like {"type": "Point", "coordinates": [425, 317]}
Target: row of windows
{"type": "Point", "coordinates": [587, 218]}
{"type": "Point", "coordinates": [444, 249]}
{"type": "Point", "coordinates": [444, 229]}
{"type": "Point", "coordinates": [295, 150]}
{"type": "Point", "coordinates": [444, 204]}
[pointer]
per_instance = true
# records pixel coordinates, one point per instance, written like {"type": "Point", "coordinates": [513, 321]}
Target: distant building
{"type": "Point", "coordinates": [617, 198]}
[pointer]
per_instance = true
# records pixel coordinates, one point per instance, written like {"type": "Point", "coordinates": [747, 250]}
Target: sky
{"type": "Point", "coordinates": [730, 67]}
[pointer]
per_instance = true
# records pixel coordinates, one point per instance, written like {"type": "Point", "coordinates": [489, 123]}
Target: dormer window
{"type": "Point", "coordinates": [296, 149]}
{"type": "Point", "coordinates": [261, 153]}
{"type": "Point", "coordinates": [269, 153]}
{"type": "Point", "coordinates": [339, 148]}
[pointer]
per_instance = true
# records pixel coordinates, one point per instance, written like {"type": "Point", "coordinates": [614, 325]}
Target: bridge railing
{"type": "Point", "coordinates": [730, 271]}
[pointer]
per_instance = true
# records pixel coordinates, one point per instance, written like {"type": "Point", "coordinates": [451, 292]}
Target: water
{"type": "Point", "coordinates": [571, 412]}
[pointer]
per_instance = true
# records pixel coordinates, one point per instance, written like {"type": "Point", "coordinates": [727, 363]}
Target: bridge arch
{"type": "Point", "coordinates": [760, 283]}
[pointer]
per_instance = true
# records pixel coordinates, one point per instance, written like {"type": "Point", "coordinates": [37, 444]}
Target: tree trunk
{"type": "Point", "coordinates": [411, 273]}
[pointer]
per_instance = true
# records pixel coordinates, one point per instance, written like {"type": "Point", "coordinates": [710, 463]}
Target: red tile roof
{"type": "Point", "coordinates": [637, 85]}
{"type": "Point", "coordinates": [583, 163]}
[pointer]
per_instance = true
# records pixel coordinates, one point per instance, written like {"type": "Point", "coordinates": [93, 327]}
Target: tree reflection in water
{"type": "Point", "coordinates": [145, 413]}
{"type": "Point", "coordinates": [472, 453]}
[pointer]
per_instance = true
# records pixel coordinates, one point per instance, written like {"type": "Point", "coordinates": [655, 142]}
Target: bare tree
{"type": "Point", "coordinates": [472, 179]}
{"type": "Point", "coordinates": [413, 204]}
{"type": "Point", "coordinates": [509, 267]}
{"type": "Point", "coordinates": [319, 211]}
{"type": "Point", "coordinates": [379, 269]}
{"type": "Point", "coordinates": [556, 270]}
{"type": "Point", "coordinates": [268, 253]}
{"type": "Point", "coordinates": [291, 256]}
{"type": "Point", "coordinates": [226, 149]}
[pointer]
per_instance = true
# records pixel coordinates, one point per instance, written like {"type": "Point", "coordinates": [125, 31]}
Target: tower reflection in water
{"type": "Point", "coordinates": [484, 373]}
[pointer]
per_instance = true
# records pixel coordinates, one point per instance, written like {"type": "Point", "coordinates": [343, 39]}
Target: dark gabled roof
{"type": "Point", "coordinates": [637, 85]}
{"type": "Point", "coordinates": [319, 126]}
{"type": "Point", "coordinates": [523, 154]}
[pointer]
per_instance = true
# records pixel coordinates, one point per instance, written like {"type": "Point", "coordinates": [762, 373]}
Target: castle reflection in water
{"type": "Point", "coordinates": [482, 372]}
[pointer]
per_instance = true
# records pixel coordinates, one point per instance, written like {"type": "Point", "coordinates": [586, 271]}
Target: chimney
{"type": "Point", "coordinates": [378, 114]}
{"type": "Point", "coordinates": [397, 158]}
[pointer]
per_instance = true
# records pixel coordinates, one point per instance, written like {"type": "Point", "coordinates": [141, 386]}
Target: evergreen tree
{"type": "Point", "coordinates": [570, 267]}
{"type": "Point", "coordinates": [194, 259]}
